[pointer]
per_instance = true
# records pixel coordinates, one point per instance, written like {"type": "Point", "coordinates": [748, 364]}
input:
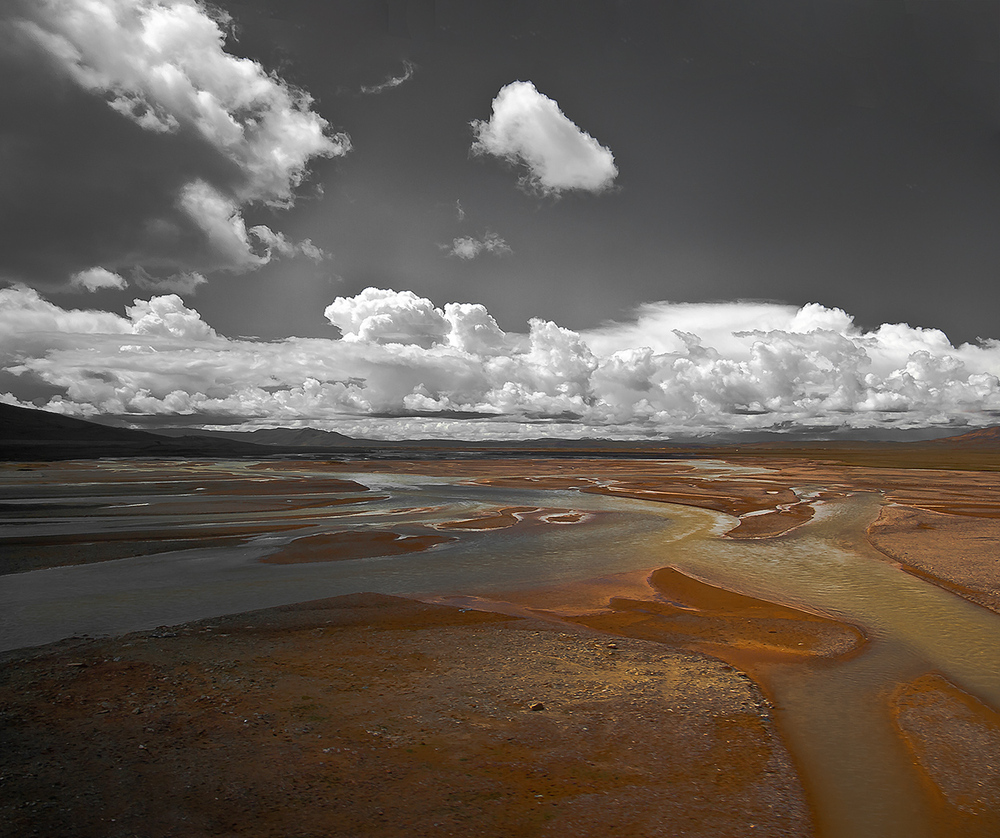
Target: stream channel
{"type": "Point", "coordinates": [835, 716]}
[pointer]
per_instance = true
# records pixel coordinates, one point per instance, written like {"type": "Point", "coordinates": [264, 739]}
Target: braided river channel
{"type": "Point", "coordinates": [834, 715]}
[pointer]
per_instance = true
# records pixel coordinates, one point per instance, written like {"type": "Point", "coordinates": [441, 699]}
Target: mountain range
{"type": "Point", "coordinates": [31, 434]}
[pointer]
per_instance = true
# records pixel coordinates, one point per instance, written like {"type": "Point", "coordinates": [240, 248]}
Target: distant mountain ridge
{"type": "Point", "coordinates": [285, 437]}
{"type": "Point", "coordinates": [27, 433]}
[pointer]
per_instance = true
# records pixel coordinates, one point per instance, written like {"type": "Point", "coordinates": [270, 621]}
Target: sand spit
{"type": "Point", "coordinates": [731, 626]}
{"type": "Point", "coordinates": [499, 519]}
{"type": "Point", "coordinates": [376, 716]}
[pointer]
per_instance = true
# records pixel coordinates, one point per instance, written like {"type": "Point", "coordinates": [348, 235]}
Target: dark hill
{"type": "Point", "coordinates": [27, 434]}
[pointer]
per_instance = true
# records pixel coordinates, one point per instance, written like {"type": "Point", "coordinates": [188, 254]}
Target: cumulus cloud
{"type": "Point", "coordinates": [392, 81]}
{"type": "Point", "coordinates": [95, 279]}
{"type": "Point", "coordinates": [466, 247]}
{"type": "Point", "coordinates": [28, 321]}
{"type": "Point", "coordinates": [405, 366]}
{"type": "Point", "coordinates": [382, 316]}
{"type": "Point", "coordinates": [167, 316]}
{"type": "Point", "coordinates": [528, 129]}
{"type": "Point", "coordinates": [151, 142]}
{"type": "Point", "coordinates": [662, 326]}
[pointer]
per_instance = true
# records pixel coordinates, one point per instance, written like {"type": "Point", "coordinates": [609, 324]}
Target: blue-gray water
{"type": "Point", "coordinates": [122, 595]}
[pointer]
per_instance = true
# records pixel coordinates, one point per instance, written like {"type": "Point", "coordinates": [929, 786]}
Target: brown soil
{"type": "Point", "coordinates": [351, 544]}
{"type": "Point", "coordinates": [374, 716]}
{"type": "Point", "coordinates": [955, 741]}
{"type": "Point", "coordinates": [956, 551]}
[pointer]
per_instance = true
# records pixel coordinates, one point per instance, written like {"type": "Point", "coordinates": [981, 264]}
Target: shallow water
{"type": "Point", "coordinates": [174, 587]}
{"type": "Point", "coordinates": [836, 716]}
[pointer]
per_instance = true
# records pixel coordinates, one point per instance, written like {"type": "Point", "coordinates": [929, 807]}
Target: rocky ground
{"type": "Point", "coordinates": [375, 716]}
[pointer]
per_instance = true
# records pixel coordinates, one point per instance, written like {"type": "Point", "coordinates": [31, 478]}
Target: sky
{"type": "Point", "coordinates": [503, 219]}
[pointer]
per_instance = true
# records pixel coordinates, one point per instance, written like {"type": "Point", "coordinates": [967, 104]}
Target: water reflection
{"type": "Point", "coordinates": [170, 588]}
{"type": "Point", "coordinates": [837, 715]}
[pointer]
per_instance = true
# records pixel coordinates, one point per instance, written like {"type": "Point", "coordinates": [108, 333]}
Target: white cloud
{"type": "Point", "coordinates": [167, 316]}
{"type": "Point", "coordinates": [472, 329]}
{"type": "Point", "coordinates": [181, 283]}
{"type": "Point", "coordinates": [400, 355]}
{"type": "Point", "coordinates": [95, 279]}
{"type": "Point", "coordinates": [277, 243]}
{"type": "Point", "coordinates": [230, 133]}
{"type": "Point", "coordinates": [528, 128]}
{"type": "Point", "coordinates": [392, 81]}
{"type": "Point", "coordinates": [30, 324]}
{"type": "Point", "coordinates": [382, 316]}
{"type": "Point", "coordinates": [467, 247]}
{"type": "Point", "coordinates": [163, 64]}
{"type": "Point", "coordinates": [222, 223]}
{"type": "Point", "coordinates": [662, 326]}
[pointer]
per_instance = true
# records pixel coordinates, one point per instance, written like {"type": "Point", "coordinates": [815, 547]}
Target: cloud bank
{"type": "Point", "coordinates": [406, 367]}
{"type": "Point", "coordinates": [528, 129]}
{"type": "Point", "coordinates": [137, 140]}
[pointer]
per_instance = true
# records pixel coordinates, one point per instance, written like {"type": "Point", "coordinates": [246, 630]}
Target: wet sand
{"type": "Point", "coordinates": [377, 716]}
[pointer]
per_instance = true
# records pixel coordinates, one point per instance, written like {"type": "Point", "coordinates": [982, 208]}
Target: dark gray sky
{"type": "Point", "coordinates": [846, 153]}
{"type": "Point", "coordinates": [842, 152]}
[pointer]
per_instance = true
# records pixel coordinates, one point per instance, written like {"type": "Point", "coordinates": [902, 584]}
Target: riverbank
{"type": "Point", "coordinates": [378, 716]}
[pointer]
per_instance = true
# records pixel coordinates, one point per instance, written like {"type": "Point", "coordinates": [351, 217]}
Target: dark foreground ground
{"type": "Point", "coordinates": [375, 716]}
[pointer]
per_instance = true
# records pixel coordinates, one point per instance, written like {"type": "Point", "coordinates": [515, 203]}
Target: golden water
{"type": "Point", "coordinates": [836, 716]}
